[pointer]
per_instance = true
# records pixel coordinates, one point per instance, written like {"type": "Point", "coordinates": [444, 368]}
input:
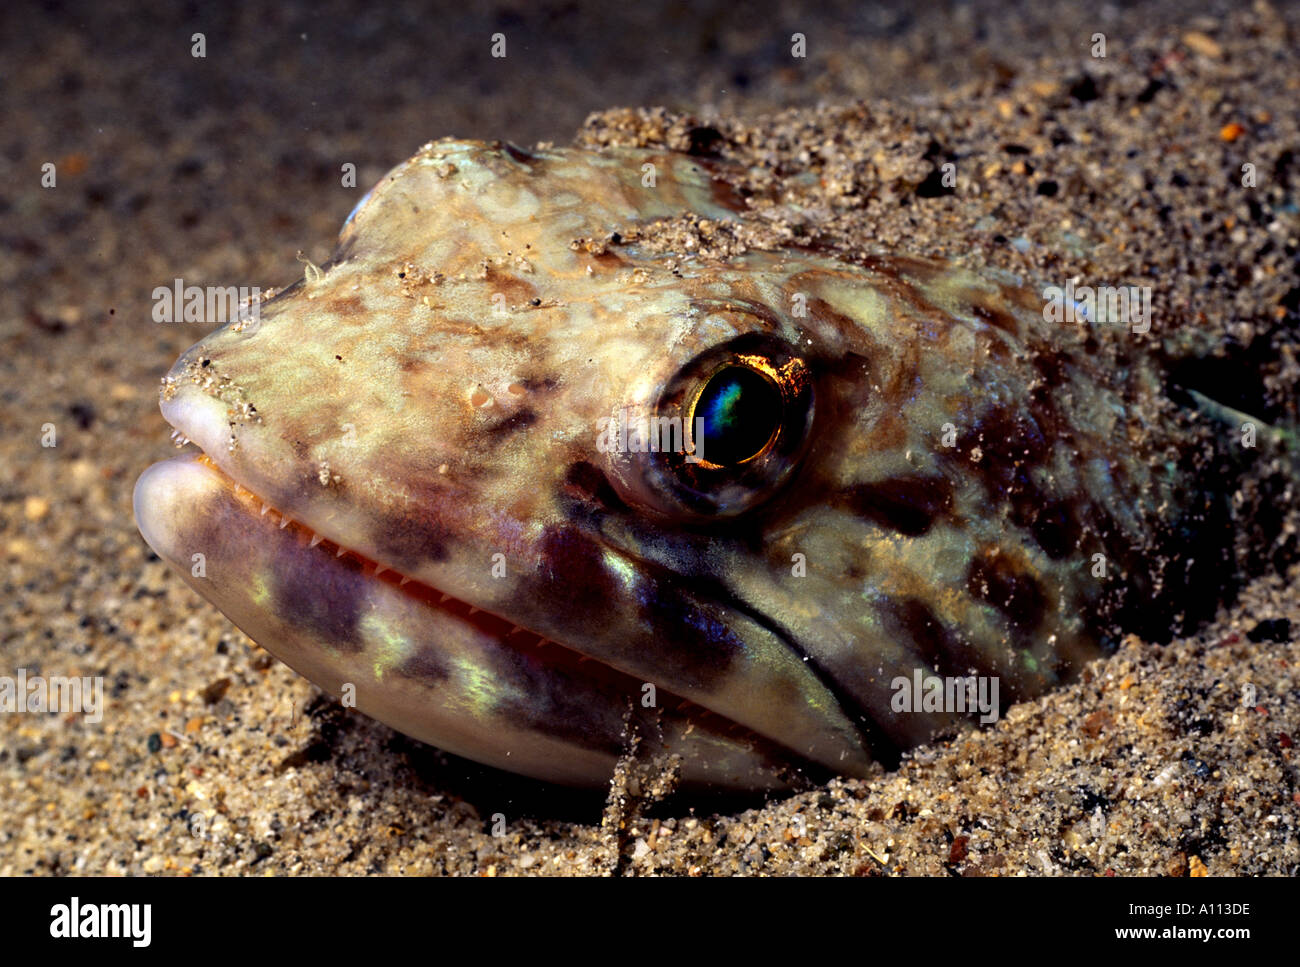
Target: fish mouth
{"type": "Point", "coordinates": [256, 507]}
{"type": "Point", "coordinates": [428, 595]}
{"type": "Point", "coordinates": [459, 677]}
{"type": "Point", "coordinates": [202, 426]}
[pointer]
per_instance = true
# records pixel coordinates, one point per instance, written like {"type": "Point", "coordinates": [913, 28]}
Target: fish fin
{"type": "Point", "coordinates": [1276, 439]}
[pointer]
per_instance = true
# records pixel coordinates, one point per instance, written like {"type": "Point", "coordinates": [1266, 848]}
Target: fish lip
{"type": "Point", "coordinates": [504, 630]}
{"type": "Point", "coordinates": [488, 621]}
{"type": "Point", "coordinates": [203, 420]}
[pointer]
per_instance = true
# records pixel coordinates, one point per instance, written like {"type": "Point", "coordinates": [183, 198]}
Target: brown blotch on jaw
{"type": "Point", "coordinates": [325, 601]}
{"type": "Point", "coordinates": [908, 505]}
{"type": "Point", "coordinates": [688, 625]}
{"type": "Point", "coordinates": [424, 666]}
{"type": "Point", "coordinates": [705, 644]}
{"type": "Point", "coordinates": [406, 540]}
{"type": "Point", "coordinates": [574, 582]}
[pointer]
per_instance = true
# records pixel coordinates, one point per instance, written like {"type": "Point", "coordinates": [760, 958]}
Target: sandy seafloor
{"type": "Point", "coordinates": [213, 758]}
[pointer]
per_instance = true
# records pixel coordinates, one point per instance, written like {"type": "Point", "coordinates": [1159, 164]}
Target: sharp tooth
{"type": "Point", "coordinates": [284, 522]}
{"type": "Point", "coordinates": [474, 610]}
{"type": "Point", "coordinates": [404, 582]}
{"type": "Point", "coordinates": [445, 598]}
{"type": "Point", "coordinates": [315, 539]}
{"type": "Point", "coordinates": [265, 508]}
{"type": "Point", "coordinates": [341, 551]}
{"type": "Point", "coordinates": [379, 569]}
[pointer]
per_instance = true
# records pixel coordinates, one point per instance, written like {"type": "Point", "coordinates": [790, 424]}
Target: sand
{"type": "Point", "coordinates": [213, 758]}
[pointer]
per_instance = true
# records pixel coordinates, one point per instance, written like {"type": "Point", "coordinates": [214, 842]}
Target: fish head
{"type": "Point", "coordinates": [526, 487]}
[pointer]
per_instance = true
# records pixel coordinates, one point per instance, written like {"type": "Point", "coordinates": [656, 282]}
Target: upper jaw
{"type": "Point", "coordinates": [203, 420]}
{"type": "Point", "coordinates": [428, 667]}
{"type": "Point", "coordinates": [421, 666]}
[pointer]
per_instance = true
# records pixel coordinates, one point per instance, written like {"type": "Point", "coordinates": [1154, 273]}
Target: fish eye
{"type": "Point", "coordinates": [743, 412]}
{"type": "Point", "coordinates": [736, 416]}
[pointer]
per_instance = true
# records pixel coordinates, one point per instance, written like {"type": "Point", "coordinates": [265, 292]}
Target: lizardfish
{"type": "Point", "coordinates": [525, 484]}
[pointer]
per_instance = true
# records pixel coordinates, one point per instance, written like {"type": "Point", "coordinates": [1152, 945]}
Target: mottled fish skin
{"type": "Point", "coordinates": [945, 467]}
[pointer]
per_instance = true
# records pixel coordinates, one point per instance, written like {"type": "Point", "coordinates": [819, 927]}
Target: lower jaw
{"type": "Point", "coordinates": [409, 656]}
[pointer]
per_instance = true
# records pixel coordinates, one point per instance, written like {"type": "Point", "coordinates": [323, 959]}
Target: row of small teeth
{"type": "Point", "coordinates": [339, 550]}
{"type": "Point", "coordinates": [241, 491]}
{"type": "Point", "coordinates": [179, 439]}
{"type": "Point", "coordinates": [285, 520]}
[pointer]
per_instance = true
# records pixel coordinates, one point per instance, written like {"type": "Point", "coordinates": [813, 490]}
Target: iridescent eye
{"type": "Point", "coordinates": [740, 411]}
{"type": "Point", "coordinates": [724, 430]}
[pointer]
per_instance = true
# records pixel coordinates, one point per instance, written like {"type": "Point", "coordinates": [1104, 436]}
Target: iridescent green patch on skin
{"type": "Point", "coordinates": [904, 469]}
